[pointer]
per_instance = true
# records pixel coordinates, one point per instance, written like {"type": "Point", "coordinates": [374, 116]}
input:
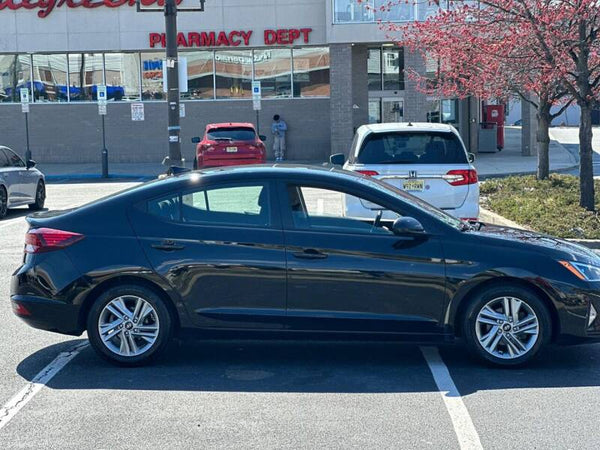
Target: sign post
{"type": "Point", "coordinates": [24, 92]}
{"type": "Point", "coordinates": [102, 100]}
{"type": "Point", "coordinates": [256, 103]}
{"type": "Point", "coordinates": [172, 63]}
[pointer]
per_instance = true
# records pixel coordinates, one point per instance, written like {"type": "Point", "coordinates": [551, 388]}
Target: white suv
{"type": "Point", "coordinates": [428, 160]}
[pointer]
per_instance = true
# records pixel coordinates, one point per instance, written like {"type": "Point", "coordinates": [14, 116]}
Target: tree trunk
{"type": "Point", "coordinates": [543, 141]}
{"type": "Point", "coordinates": [586, 166]}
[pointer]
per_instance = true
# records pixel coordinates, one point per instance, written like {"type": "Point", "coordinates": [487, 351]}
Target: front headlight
{"type": "Point", "coordinates": [582, 271]}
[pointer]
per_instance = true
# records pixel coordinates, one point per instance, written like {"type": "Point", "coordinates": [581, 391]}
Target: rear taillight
{"type": "Point", "coordinates": [461, 177]}
{"type": "Point", "coordinates": [20, 310]}
{"type": "Point", "coordinates": [206, 147]}
{"type": "Point", "coordinates": [40, 240]}
{"type": "Point", "coordinates": [369, 173]}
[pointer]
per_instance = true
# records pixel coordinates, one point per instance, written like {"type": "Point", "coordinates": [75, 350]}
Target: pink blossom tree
{"type": "Point", "coordinates": [491, 48]}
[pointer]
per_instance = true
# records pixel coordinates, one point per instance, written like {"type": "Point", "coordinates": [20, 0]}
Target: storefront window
{"type": "Point", "coordinates": [311, 72]}
{"type": "Point", "coordinates": [85, 74]}
{"type": "Point", "coordinates": [394, 11]}
{"type": "Point", "coordinates": [345, 11]}
{"type": "Point", "coordinates": [234, 74]}
{"type": "Point", "coordinates": [50, 78]}
{"type": "Point", "coordinates": [15, 73]}
{"type": "Point", "coordinates": [374, 69]}
{"type": "Point", "coordinates": [375, 110]}
{"type": "Point", "coordinates": [152, 76]}
{"type": "Point", "coordinates": [393, 69]}
{"type": "Point", "coordinates": [273, 68]}
{"type": "Point", "coordinates": [200, 75]}
{"type": "Point", "coordinates": [122, 76]}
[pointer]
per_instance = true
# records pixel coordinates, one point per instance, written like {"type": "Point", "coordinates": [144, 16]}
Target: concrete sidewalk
{"type": "Point", "coordinates": [510, 161]}
{"type": "Point", "coordinates": [563, 156]}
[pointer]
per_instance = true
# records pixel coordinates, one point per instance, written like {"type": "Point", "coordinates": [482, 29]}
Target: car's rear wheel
{"type": "Point", "coordinates": [507, 325]}
{"type": "Point", "coordinates": [129, 325]}
{"type": "Point", "coordinates": [40, 197]}
{"type": "Point", "coordinates": [196, 163]}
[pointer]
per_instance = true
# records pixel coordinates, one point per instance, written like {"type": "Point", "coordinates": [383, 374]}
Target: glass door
{"type": "Point", "coordinates": [392, 109]}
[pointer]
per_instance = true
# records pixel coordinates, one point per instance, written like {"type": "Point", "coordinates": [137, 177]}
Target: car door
{"type": "Point", "coordinates": [27, 179]}
{"type": "Point", "coordinates": [346, 275]}
{"type": "Point", "coordinates": [12, 179]}
{"type": "Point", "coordinates": [221, 248]}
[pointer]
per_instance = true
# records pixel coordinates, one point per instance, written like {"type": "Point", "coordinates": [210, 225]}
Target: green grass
{"type": "Point", "coordinates": [549, 206]}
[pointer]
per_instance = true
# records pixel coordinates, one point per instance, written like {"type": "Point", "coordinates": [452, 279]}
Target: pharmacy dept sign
{"type": "Point", "coordinates": [234, 38]}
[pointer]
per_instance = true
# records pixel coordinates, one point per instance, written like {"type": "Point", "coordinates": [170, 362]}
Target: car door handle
{"type": "Point", "coordinates": [309, 253]}
{"type": "Point", "coordinates": [168, 246]}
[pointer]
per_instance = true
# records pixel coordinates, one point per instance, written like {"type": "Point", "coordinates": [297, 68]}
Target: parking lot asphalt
{"type": "Point", "coordinates": [282, 394]}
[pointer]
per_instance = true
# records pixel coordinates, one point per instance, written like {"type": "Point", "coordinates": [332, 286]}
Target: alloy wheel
{"type": "Point", "coordinates": [128, 325]}
{"type": "Point", "coordinates": [40, 195]}
{"type": "Point", "coordinates": [507, 327]}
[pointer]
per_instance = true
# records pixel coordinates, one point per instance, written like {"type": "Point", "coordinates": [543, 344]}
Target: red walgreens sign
{"type": "Point", "coordinates": [45, 7]}
{"type": "Point", "coordinates": [234, 38]}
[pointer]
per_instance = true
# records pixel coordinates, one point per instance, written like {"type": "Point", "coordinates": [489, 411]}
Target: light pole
{"type": "Point", "coordinates": [174, 158]}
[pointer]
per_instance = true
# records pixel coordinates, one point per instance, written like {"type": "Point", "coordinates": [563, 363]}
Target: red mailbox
{"type": "Point", "coordinates": [495, 114]}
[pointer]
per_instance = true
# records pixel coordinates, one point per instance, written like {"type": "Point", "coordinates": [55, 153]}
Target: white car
{"type": "Point", "coordinates": [20, 183]}
{"type": "Point", "coordinates": [428, 160]}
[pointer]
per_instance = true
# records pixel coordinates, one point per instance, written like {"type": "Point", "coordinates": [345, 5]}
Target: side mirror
{"type": "Point", "coordinates": [471, 157]}
{"type": "Point", "coordinates": [262, 137]}
{"type": "Point", "coordinates": [30, 163]}
{"type": "Point", "coordinates": [195, 140]}
{"type": "Point", "coordinates": [337, 159]}
{"type": "Point", "coordinates": [407, 225]}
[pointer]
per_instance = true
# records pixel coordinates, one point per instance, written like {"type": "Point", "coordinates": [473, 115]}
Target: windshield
{"type": "Point", "coordinates": [415, 202]}
{"type": "Point", "coordinates": [232, 134]}
{"type": "Point", "coordinates": [412, 148]}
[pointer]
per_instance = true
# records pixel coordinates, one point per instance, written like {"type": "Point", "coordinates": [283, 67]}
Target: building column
{"type": "Point", "coordinates": [415, 102]}
{"type": "Point", "coordinates": [360, 85]}
{"type": "Point", "coordinates": [349, 98]}
{"type": "Point", "coordinates": [529, 128]}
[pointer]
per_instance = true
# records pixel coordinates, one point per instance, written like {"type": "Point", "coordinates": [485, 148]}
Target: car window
{"type": "Point", "coordinates": [412, 148]}
{"type": "Point", "coordinates": [331, 210]}
{"type": "Point", "coordinates": [165, 207]}
{"type": "Point", "coordinates": [3, 159]}
{"type": "Point", "coordinates": [13, 159]}
{"type": "Point", "coordinates": [232, 134]}
{"type": "Point", "coordinates": [237, 205]}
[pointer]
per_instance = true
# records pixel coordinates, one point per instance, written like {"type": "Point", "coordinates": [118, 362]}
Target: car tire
{"type": "Point", "coordinates": [3, 202]}
{"type": "Point", "coordinates": [40, 197]}
{"type": "Point", "coordinates": [507, 340]}
{"type": "Point", "coordinates": [196, 163]}
{"type": "Point", "coordinates": [115, 333]}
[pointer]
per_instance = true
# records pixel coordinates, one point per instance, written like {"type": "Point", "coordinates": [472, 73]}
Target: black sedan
{"type": "Point", "coordinates": [266, 251]}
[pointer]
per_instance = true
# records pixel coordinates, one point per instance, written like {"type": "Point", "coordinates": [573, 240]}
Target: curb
{"type": "Point", "coordinates": [91, 176]}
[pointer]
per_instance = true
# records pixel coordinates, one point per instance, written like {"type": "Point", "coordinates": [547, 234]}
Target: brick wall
{"type": "Point", "coordinates": [71, 133]}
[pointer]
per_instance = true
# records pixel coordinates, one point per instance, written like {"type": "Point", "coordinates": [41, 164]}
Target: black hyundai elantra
{"type": "Point", "coordinates": [272, 250]}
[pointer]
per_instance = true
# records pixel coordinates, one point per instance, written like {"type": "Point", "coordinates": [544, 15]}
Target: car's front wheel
{"type": "Point", "coordinates": [507, 325]}
{"type": "Point", "coordinates": [40, 197]}
{"type": "Point", "coordinates": [129, 325]}
{"type": "Point", "coordinates": [3, 202]}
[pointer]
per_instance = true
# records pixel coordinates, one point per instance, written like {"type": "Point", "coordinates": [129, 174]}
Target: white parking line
{"type": "Point", "coordinates": [468, 439]}
{"type": "Point", "coordinates": [14, 405]}
{"type": "Point", "coordinates": [8, 222]}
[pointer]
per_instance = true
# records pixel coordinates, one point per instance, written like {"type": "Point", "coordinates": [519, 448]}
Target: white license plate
{"type": "Point", "coordinates": [231, 149]}
{"type": "Point", "coordinates": [414, 185]}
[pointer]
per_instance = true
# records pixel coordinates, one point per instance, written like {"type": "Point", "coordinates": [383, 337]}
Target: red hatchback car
{"type": "Point", "coordinates": [229, 144]}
